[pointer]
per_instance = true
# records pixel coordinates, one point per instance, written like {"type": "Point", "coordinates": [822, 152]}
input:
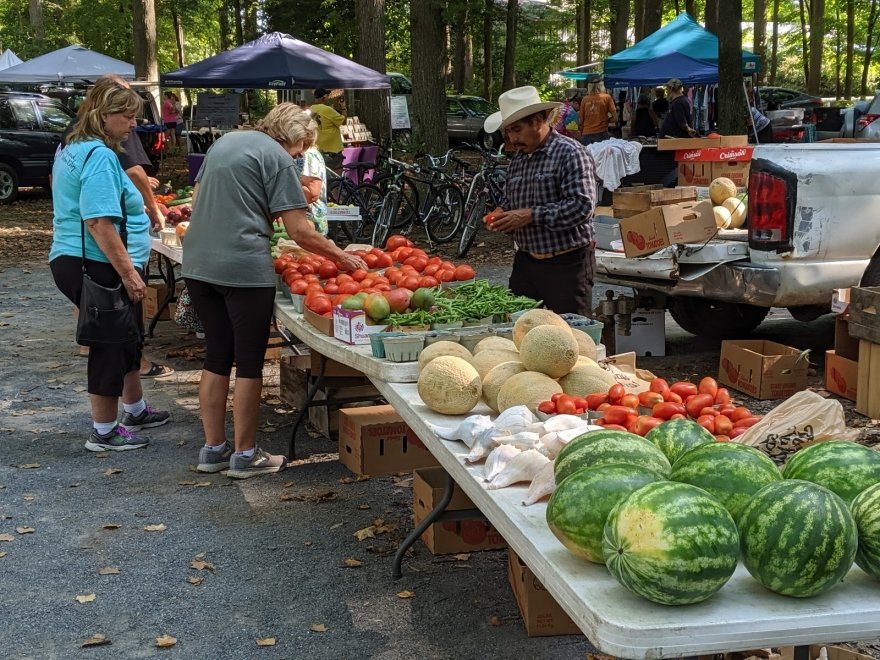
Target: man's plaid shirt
{"type": "Point", "coordinates": [558, 182]}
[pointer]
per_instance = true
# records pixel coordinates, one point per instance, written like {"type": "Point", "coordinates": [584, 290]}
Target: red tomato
{"type": "Point", "coordinates": [447, 265]}
{"type": "Point", "coordinates": [331, 289]}
{"type": "Point", "coordinates": [667, 409]}
{"type": "Point", "coordinates": [659, 385]}
{"type": "Point", "coordinates": [709, 411]}
{"type": "Point", "coordinates": [445, 275]}
{"type": "Point", "coordinates": [581, 403]}
{"type": "Point", "coordinates": [557, 396]}
{"type": "Point", "coordinates": [707, 422]}
{"type": "Point", "coordinates": [416, 262]}
{"type": "Point", "coordinates": [395, 241]}
{"type": "Point", "coordinates": [383, 260]}
{"type": "Point", "coordinates": [721, 437]}
{"type": "Point", "coordinates": [566, 406]}
{"type": "Point", "coordinates": [431, 269]}
{"type": "Point", "coordinates": [616, 393]}
{"type": "Point", "coordinates": [746, 422]}
{"type": "Point", "coordinates": [320, 304]}
{"type": "Point", "coordinates": [618, 414]}
{"type": "Point", "coordinates": [311, 278]}
{"type": "Point", "coordinates": [342, 278]}
{"type": "Point", "coordinates": [678, 416]}
{"type": "Point", "coordinates": [596, 400]}
{"type": "Point", "coordinates": [403, 254]}
{"type": "Point", "coordinates": [349, 288]}
{"type": "Point", "coordinates": [708, 386]}
{"type": "Point", "coordinates": [697, 402]}
{"type": "Point", "coordinates": [684, 389]}
{"type": "Point", "coordinates": [464, 272]}
{"type": "Point", "coordinates": [630, 423]}
{"type": "Point", "coordinates": [672, 397]}
{"type": "Point", "coordinates": [723, 425]}
{"type": "Point", "coordinates": [428, 282]}
{"type": "Point", "coordinates": [738, 431]}
{"type": "Point", "coordinates": [306, 269]}
{"type": "Point", "coordinates": [727, 410]}
{"type": "Point", "coordinates": [740, 413]}
{"type": "Point", "coordinates": [602, 407]}
{"type": "Point", "coordinates": [722, 396]}
{"type": "Point", "coordinates": [299, 287]}
{"type": "Point", "coordinates": [327, 270]}
{"type": "Point", "coordinates": [645, 423]}
{"type": "Point", "coordinates": [359, 275]}
{"type": "Point", "coordinates": [371, 260]}
{"type": "Point", "coordinates": [410, 282]}
{"type": "Point", "coordinates": [630, 401]}
{"type": "Point", "coordinates": [650, 399]}
{"type": "Point", "coordinates": [547, 407]}
{"type": "Point", "coordinates": [615, 427]}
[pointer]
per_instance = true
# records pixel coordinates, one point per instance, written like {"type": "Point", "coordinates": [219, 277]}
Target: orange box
{"type": "Point", "coordinates": [541, 614]}
{"type": "Point", "coordinates": [374, 440]}
{"type": "Point", "coordinates": [762, 369]}
{"type": "Point", "coordinates": [841, 375]}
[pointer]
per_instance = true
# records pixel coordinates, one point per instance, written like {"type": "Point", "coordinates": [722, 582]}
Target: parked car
{"type": "Point", "coordinates": [464, 120]}
{"type": "Point", "coordinates": [861, 121]}
{"type": "Point", "coordinates": [400, 84]}
{"type": "Point", "coordinates": [31, 126]}
{"type": "Point", "coordinates": [780, 98]}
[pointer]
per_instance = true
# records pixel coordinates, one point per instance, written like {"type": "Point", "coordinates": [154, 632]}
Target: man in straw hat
{"type": "Point", "coordinates": [548, 207]}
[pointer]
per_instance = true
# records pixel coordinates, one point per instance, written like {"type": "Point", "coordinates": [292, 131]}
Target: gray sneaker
{"type": "Point", "coordinates": [260, 463]}
{"type": "Point", "coordinates": [214, 461]}
{"type": "Point", "coordinates": [119, 439]}
{"type": "Point", "coordinates": [149, 418]}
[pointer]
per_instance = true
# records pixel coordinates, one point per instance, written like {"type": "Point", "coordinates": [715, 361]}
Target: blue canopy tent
{"type": "Point", "coordinates": [659, 70]}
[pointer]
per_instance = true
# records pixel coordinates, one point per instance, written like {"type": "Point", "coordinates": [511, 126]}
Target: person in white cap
{"type": "Point", "coordinates": [550, 198]}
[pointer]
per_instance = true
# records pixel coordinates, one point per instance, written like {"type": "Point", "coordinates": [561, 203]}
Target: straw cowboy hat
{"type": "Point", "coordinates": [515, 104]}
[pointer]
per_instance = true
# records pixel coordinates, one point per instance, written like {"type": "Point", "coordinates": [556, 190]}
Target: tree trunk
{"type": "Point", "coordinates": [731, 102]}
{"type": "Point", "coordinates": [509, 79]}
{"type": "Point", "coordinates": [805, 50]}
{"type": "Point", "coordinates": [619, 25]}
{"type": "Point", "coordinates": [584, 31]}
{"type": "Point", "coordinates": [638, 19]}
{"type": "Point", "coordinates": [239, 24]}
{"type": "Point", "coordinates": [712, 11]}
{"type": "Point", "coordinates": [487, 49]}
{"type": "Point", "coordinates": [760, 22]}
{"type": "Point", "coordinates": [774, 44]}
{"type": "Point", "coordinates": [469, 58]}
{"type": "Point", "coordinates": [143, 19]}
{"type": "Point", "coordinates": [250, 20]}
{"type": "Point", "coordinates": [429, 94]}
{"type": "Point", "coordinates": [653, 17]}
{"type": "Point", "coordinates": [223, 20]}
{"type": "Point", "coordinates": [817, 42]}
{"type": "Point", "coordinates": [35, 13]}
{"type": "Point", "coordinates": [460, 37]}
{"type": "Point", "coordinates": [838, 57]}
{"type": "Point", "coordinates": [850, 40]}
{"type": "Point", "coordinates": [690, 6]}
{"type": "Point", "coordinates": [178, 36]}
{"type": "Point", "coordinates": [869, 46]}
{"type": "Point", "coordinates": [372, 104]}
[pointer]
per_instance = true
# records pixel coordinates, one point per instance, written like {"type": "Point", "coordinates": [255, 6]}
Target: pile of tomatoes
{"type": "Point", "coordinates": [711, 406]}
{"type": "Point", "coordinates": [323, 284]}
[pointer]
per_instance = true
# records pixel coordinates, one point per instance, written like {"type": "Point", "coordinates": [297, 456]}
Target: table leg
{"type": "Point", "coordinates": [801, 653]}
{"type": "Point", "coordinates": [167, 274]}
{"type": "Point", "coordinates": [303, 411]}
{"type": "Point", "coordinates": [414, 535]}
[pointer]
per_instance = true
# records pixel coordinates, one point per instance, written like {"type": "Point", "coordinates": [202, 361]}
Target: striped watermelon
{"type": "Point", "coordinates": [677, 436]}
{"type": "Point", "coordinates": [671, 543]}
{"type": "Point", "coordinates": [866, 512]}
{"type": "Point", "coordinates": [579, 507]}
{"type": "Point", "coordinates": [606, 447]}
{"type": "Point", "coordinates": [728, 470]}
{"type": "Point", "coordinates": [797, 538]}
{"type": "Point", "coordinates": [847, 468]}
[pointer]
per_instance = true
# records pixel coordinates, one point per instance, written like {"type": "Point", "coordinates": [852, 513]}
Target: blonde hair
{"type": "Point", "coordinates": [111, 95]}
{"type": "Point", "coordinates": [595, 87]}
{"type": "Point", "coordinates": [288, 123]}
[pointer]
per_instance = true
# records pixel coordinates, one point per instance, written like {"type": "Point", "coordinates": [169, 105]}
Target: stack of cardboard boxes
{"type": "Point", "coordinates": [700, 160]}
{"type": "Point", "coordinates": [863, 324]}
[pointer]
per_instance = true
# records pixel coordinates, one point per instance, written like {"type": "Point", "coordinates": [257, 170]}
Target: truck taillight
{"type": "Point", "coordinates": [769, 205]}
{"type": "Point", "coordinates": [866, 120]}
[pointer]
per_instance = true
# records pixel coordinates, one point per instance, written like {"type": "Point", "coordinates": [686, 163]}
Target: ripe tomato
{"type": "Point", "coordinates": [417, 262]}
{"type": "Point", "coordinates": [658, 385]}
{"type": "Point", "coordinates": [671, 396]}
{"type": "Point", "coordinates": [311, 278]}
{"type": "Point", "coordinates": [667, 409]}
{"type": "Point", "coordinates": [596, 400]}
{"type": "Point", "coordinates": [581, 403]}
{"type": "Point", "coordinates": [707, 422]}
{"type": "Point", "coordinates": [395, 241]}
{"type": "Point", "coordinates": [384, 260]}
{"type": "Point", "coordinates": [410, 282]}
{"type": "Point", "coordinates": [615, 427]}
{"type": "Point", "coordinates": [740, 413]}
{"type": "Point", "coordinates": [464, 272]}
{"type": "Point", "coordinates": [359, 275]}
{"type": "Point", "coordinates": [445, 275]}
{"type": "Point", "coordinates": [342, 278]}
{"type": "Point", "coordinates": [746, 422]}
{"type": "Point", "coordinates": [721, 437]}
{"type": "Point", "coordinates": [371, 260]}
{"type": "Point", "coordinates": [723, 425]}
{"type": "Point", "coordinates": [697, 402]}
{"type": "Point", "coordinates": [722, 396]}
{"type": "Point", "coordinates": [547, 407]}
{"type": "Point", "coordinates": [327, 270]}
{"type": "Point", "coordinates": [616, 393]}
{"type": "Point", "coordinates": [708, 386]}
{"type": "Point", "coordinates": [306, 269]}
{"type": "Point", "coordinates": [557, 396]}
{"type": "Point", "coordinates": [331, 289]}
{"type": "Point", "coordinates": [565, 405]}
{"type": "Point", "coordinates": [403, 254]}
{"type": "Point", "coordinates": [320, 304]}
{"type": "Point", "coordinates": [428, 282]}
{"type": "Point", "coordinates": [431, 269]}
{"type": "Point", "coordinates": [299, 287]}
{"type": "Point", "coordinates": [618, 414]}
{"type": "Point", "coordinates": [349, 287]}
{"type": "Point", "coordinates": [684, 389]}
{"type": "Point", "coordinates": [650, 399]}
{"type": "Point", "coordinates": [645, 423]}
{"type": "Point", "coordinates": [630, 401]}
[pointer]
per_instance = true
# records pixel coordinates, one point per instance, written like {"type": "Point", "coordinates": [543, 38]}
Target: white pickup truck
{"type": "Point", "coordinates": [813, 226]}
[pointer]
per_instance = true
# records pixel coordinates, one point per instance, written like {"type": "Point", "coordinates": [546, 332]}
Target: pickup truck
{"type": "Point", "coordinates": [813, 226]}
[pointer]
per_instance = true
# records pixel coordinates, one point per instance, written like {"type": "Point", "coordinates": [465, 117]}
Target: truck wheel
{"type": "Point", "coordinates": [871, 276]}
{"type": "Point", "coordinates": [715, 319]}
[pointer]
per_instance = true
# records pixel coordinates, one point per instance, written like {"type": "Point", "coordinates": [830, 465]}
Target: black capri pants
{"type": "Point", "coordinates": [236, 322]}
{"type": "Point", "coordinates": [108, 364]}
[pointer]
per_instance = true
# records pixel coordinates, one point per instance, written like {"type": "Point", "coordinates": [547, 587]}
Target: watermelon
{"type": "Point", "coordinates": [671, 543]}
{"type": "Point", "coordinates": [579, 507]}
{"type": "Point", "coordinates": [847, 468]}
{"type": "Point", "coordinates": [606, 447]}
{"type": "Point", "coordinates": [677, 436]}
{"type": "Point", "coordinates": [797, 538]}
{"type": "Point", "coordinates": [866, 512]}
{"type": "Point", "coordinates": [728, 470]}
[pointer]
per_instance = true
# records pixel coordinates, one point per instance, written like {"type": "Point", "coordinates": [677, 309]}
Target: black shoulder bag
{"type": "Point", "coordinates": [106, 315]}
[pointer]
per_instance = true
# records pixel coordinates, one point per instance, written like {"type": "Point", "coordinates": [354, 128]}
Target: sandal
{"type": "Point", "coordinates": [157, 371]}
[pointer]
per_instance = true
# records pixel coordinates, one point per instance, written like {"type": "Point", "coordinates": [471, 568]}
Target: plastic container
{"type": "Point", "coordinates": [169, 237]}
{"type": "Point", "coordinates": [404, 349]}
{"type": "Point", "coordinates": [470, 337]}
{"type": "Point", "coordinates": [298, 302]}
{"type": "Point", "coordinates": [447, 326]}
{"type": "Point", "coordinates": [505, 331]}
{"type": "Point", "coordinates": [377, 342]}
{"type": "Point", "coordinates": [591, 327]}
{"type": "Point", "coordinates": [440, 335]}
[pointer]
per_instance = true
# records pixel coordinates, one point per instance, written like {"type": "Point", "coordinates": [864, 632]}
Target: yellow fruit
{"type": "Point", "coordinates": [581, 381]}
{"type": "Point", "coordinates": [738, 209]}
{"type": "Point", "coordinates": [442, 348]}
{"type": "Point", "coordinates": [722, 216]}
{"type": "Point", "coordinates": [534, 318]}
{"type": "Point", "coordinates": [549, 349]}
{"type": "Point", "coordinates": [528, 388]}
{"type": "Point", "coordinates": [484, 361]}
{"type": "Point", "coordinates": [495, 379]}
{"type": "Point", "coordinates": [720, 189]}
{"type": "Point", "coordinates": [498, 343]}
{"type": "Point", "coordinates": [586, 345]}
{"type": "Point", "coordinates": [449, 385]}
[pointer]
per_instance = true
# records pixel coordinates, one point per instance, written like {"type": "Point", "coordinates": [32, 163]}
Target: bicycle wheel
{"type": "Point", "coordinates": [385, 218]}
{"type": "Point", "coordinates": [368, 198]}
{"type": "Point", "coordinates": [472, 224]}
{"type": "Point", "coordinates": [409, 205]}
{"type": "Point", "coordinates": [445, 215]}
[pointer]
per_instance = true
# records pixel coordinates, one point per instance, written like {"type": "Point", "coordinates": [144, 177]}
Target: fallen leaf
{"type": "Point", "coordinates": [111, 526]}
{"type": "Point", "coordinates": [155, 528]}
{"type": "Point", "coordinates": [353, 563]}
{"type": "Point", "coordinates": [273, 402]}
{"type": "Point", "coordinates": [268, 429]}
{"type": "Point", "coordinates": [336, 526]}
{"type": "Point", "coordinates": [307, 543]}
{"type": "Point", "coordinates": [85, 598]}
{"type": "Point", "coordinates": [365, 533]}
{"type": "Point", "coordinates": [108, 570]}
{"type": "Point", "coordinates": [383, 529]}
{"type": "Point", "coordinates": [203, 484]}
{"type": "Point", "coordinates": [288, 484]}
{"type": "Point", "coordinates": [464, 556]}
{"type": "Point", "coordinates": [25, 530]}
{"type": "Point", "coordinates": [3, 554]}
{"type": "Point", "coordinates": [165, 641]}
{"type": "Point", "coordinates": [287, 497]}
{"type": "Point", "coordinates": [79, 388]}
{"type": "Point", "coordinates": [378, 522]}
{"type": "Point", "coordinates": [29, 466]}
{"type": "Point", "coordinates": [495, 621]}
{"type": "Point", "coordinates": [266, 641]}
{"type": "Point", "coordinates": [181, 443]}
{"type": "Point", "coordinates": [28, 498]}
{"type": "Point", "coordinates": [405, 594]}
{"type": "Point", "coordinates": [200, 565]}
{"type": "Point", "coordinates": [55, 387]}
{"type": "Point", "coordinates": [96, 640]}
{"type": "Point", "coordinates": [318, 627]}
{"type": "Point", "coordinates": [201, 555]}
{"type": "Point", "coordinates": [54, 365]}
{"type": "Point", "coordinates": [195, 580]}
{"type": "Point", "coordinates": [186, 483]}
{"type": "Point", "coordinates": [111, 471]}
{"type": "Point", "coordinates": [363, 506]}
{"type": "Point", "coordinates": [103, 454]}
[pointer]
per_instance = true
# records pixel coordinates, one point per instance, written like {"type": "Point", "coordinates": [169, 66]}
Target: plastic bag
{"type": "Point", "coordinates": [799, 421]}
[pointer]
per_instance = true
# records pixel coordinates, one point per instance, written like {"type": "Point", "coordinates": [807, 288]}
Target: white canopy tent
{"type": "Point", "coordinates": [71, 64]}
{"type": "Point", "coordinates": [8, 59]}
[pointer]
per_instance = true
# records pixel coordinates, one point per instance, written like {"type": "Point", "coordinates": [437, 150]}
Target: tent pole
{"type": "Point", "coordinates": [749, 110]}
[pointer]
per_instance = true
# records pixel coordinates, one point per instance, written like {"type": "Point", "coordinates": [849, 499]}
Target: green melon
{"type": "Point", "coordinates": [677, 436]}
{"type": "Point", "coordinates": [728, 470]}
{"type": "Point", "coordinates": [847, 468]}
{"type": "Point", "coordinates": [671, 543]}
{"type": "Point", "coordinates": [579, 507]}
{"type": "Point", "coordinates": [866, 512]}
{"type": "Point", "coordinates": [797, 538]}
{"type": "Point", "coordinates": [606, 447]}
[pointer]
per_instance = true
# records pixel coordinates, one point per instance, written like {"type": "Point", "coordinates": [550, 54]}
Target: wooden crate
{"type": "Point", "coordinates": [644, 198]}
{"type": "Point", "coordinates": [864, 313]}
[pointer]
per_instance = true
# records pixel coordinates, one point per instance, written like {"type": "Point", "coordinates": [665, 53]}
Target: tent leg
{"type": "Point", "coordinates": [749, 110]}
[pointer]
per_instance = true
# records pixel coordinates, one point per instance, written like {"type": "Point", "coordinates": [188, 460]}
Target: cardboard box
{"type": "Point", "coordinates": [541, 614]}
{"type": "Point", "coordinates": [374, 440]}
{"type": "Point", "coordinates": [868, 384]}
{"type": "Point", "coordinates": [153, 297]}
{"type": "Point", "coordinates": [833, 653]}
{"type": "Point", "coordinates": [467, 533]}
{"type": "Point", "coordinates": [322, 323]}
{"type": "Point", "coordinates": [276, 343]}
{"type": "Point", "coordinates": [864, 313]}
{"type": "Point", "coordinates": [700, 166]}
{"type": "Point", "coordinates": [351, 326]}
{"type": "Point", "coordinates": [695, 174]}
{"type": "Point", "coordinates": [762, 369]}
{"type": "Point", "coordinates": [647, 335]}
{"type": "Point", "coordinates": [676, 144]}
{"type": "Point", "coordinates": [325, 419]}
{"type": "Point", "coordinates": [333, 369]}
{"type": "Point", "coordinates": [736, 171]}
{"type": "Point", "coordinates": [841, 375]}
{"type": "Point", "coordinates": [845, 345]}
{"type": "Point", "coordinates": [645, 197]}
{"type": "Point", "coordinates": [688, 222]}
{"type": "Point", "coordinates": [733, 141]}
{"type": "Point", "coordinates": [840, 299]}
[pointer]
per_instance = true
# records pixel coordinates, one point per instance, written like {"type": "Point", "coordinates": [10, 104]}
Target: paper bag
{"type": "Point", "coordinates": [623, 368]}
{"type": "Point", "coordinates": [799, 421]}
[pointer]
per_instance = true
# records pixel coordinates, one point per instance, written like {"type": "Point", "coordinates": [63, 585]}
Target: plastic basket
{"type": "Point", "coordinates": [404, 349]}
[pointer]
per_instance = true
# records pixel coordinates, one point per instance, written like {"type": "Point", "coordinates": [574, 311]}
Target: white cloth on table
{"type": "Point", "coordinates": [614, 160]}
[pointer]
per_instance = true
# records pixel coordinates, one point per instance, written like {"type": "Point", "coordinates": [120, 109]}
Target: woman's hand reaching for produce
{"type": "Point", "coordinates": [351, 262]}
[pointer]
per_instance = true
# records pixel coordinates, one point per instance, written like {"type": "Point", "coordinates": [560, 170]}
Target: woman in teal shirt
{"type": "Point", "coordinates": [89, 188]}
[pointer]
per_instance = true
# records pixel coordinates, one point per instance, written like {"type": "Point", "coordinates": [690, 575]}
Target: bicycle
{"type": "Point", "coordinates": [486, 192]}
{"type": "Point", "coordinates": [343, 191]}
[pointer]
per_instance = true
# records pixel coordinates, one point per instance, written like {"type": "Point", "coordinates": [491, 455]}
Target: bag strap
{"type": "Point", "coordinates": [123, 226]}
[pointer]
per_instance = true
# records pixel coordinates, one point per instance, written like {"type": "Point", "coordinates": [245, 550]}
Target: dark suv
{"type": "Point", "coordinates": [31, 126]}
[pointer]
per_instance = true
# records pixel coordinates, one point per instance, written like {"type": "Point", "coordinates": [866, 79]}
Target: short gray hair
{"type": "Point", "coordinates": [288, 123]}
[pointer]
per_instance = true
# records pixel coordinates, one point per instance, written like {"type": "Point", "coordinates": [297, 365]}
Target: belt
{"type": "Point", "coordinates": [551, 255]}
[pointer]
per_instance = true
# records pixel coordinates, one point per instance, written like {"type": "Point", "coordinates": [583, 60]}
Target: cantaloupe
{"type": "Point", "coordinates": [450, 385]}
{"type": "Point", "coordinates": [495, 379]}
{"type": "Point", "coordinates": [528, 388]}
{"type": "Point", "coordinates": [584, 361]}
{"type": "Point", "coordinates": [549, 349]}
{"type": "Point", "coordinates": [738, 209]}
{"type": "Point", "coordinates": [485, 360]}
{"type": "Point", "coordinates": [722, 215]}
{"type": "Point", "coordinates": [499, 343]}
{"type": "Point", "coordinates": [586, 345]}
{"type": "Point", "coordinates": [534, 318]}
{"type": "Point", "coordinates": [720, 189]}
{"type": "Point", "coordinates": [439, 348]}
{"type": "Point", "coordinates": [581, 381]}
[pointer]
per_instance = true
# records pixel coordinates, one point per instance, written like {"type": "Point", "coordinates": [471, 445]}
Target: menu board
{"type": "Point", "coordinates": [218, 109]}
